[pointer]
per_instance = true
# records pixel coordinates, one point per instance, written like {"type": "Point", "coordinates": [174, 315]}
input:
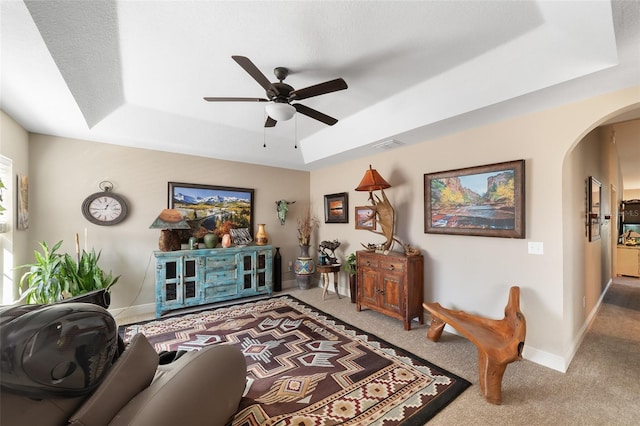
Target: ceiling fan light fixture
{"type": "Point", "coordinates": [280, 111]}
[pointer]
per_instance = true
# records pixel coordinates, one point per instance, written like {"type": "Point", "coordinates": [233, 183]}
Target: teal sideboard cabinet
{"type": "Point", "coordinates": [186, 278]}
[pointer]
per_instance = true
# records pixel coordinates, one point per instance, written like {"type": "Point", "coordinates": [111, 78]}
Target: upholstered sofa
{"type": "Point", "coordinates": [46, 379]}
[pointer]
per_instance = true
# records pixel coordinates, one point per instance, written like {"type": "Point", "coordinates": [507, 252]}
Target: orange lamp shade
{"type": "Point", "coordinates": [372, 181]}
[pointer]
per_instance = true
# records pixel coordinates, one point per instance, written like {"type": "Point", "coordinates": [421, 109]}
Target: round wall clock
{"type": "Point", "coordinates": [104, 208]}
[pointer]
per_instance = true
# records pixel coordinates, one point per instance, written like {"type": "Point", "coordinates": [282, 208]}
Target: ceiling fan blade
{"type": "Point", "coordinates": [216, 99]}
{"type": "Point", "coordinates": [270, 122]}
{"type": "Point", "coordinates": [254, 72]}
{"type": "Point", "coordinates": [317, 115]}
{"type": "Point", "coordinates": [318, 89]}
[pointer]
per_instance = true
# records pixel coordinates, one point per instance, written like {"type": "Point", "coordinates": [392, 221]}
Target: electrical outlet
{"type": "Point", "coordinates": [290, 265]}
{"type": "Point", "coordinates": [536, 248]}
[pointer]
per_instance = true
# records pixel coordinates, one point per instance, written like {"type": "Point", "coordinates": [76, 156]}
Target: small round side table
{"type": "Point", "coordinates": [325, 270]}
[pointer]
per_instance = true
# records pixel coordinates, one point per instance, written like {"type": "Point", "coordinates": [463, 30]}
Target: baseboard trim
{"type": "Point", "coordinates": [579, 337]}
{"type": "Point", "coordinates": [134, 311]}
{"type": "Point", "coordinates": [544, 358]}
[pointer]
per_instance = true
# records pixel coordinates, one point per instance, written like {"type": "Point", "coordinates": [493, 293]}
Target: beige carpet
{"type": "Point", "coordinates": [601, 387]}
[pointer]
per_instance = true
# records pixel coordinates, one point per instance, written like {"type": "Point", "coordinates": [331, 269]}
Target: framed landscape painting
{"type": "Point", "coordinates": [482, 201]}
{"type": "Point", "coordinates": [210, 208]}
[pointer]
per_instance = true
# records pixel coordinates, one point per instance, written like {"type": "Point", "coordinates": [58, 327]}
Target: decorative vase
{"type": "Point", "coordinates": [304, 267]}
{"type": "Point", "coordinates": [193, 243]}
{"type": "Point", "coordinates": [210, 240]}
{"type": "Point", "coordinates": [277, 270]}
{"type": "Point", "coordinates": [226, 241]}
{"type": "Point", "coordinates": [261, 236]}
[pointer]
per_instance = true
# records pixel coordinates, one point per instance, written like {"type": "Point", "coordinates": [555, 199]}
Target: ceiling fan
{"type": "Point", "coordinates": [280, 95]}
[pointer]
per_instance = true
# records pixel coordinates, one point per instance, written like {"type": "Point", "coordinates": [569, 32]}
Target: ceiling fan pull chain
{"type": "Point", "coordinates": [295, 132]}
{"type": "Point", "coordinates": [264, 133]}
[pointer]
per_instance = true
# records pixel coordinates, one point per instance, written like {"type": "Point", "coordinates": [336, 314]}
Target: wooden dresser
{"type": "Point", "coordinates": [391, 284]}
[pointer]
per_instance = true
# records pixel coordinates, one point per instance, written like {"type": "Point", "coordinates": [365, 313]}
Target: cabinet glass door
{"type": "Point", "coordinates": [262, 271]}
{"type": "Point", "coordinates": [247, 271]}
{"type": "Point", "coordinates": [170, 277]}
{"type": "Point", "coordinates": [189, 281]}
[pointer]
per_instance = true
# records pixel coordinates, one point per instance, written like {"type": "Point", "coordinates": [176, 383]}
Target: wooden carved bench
{"type": "Point", "coordinates": [499, 342]}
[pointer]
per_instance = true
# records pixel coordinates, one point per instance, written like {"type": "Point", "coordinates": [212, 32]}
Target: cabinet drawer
{"type": "Point", "coordinates": [220, 275]}
{"type": "Point", "coordinates": [220, 261]}
{"type": "Point", "coordinates": [217, 291]}
{"type": "Point", "coordinates": [392, 265]}
{"type": "Point", "coordinates": [368, 261]}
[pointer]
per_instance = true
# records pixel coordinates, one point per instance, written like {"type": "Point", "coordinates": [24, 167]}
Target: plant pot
{"type": "Point", "coordinates": [100, 297]}
{"type": "Point", "coordinates": [353, 287]}
{"type": "Point", "coordinates": [304, 281]}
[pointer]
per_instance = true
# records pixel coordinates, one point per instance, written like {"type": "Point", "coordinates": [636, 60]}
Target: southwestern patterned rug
{"type": "Point", "coordinates": [307, 368]}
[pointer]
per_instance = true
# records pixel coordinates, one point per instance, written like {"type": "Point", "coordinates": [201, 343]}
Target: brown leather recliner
{"type": "Point", "coordinates": [80, 378]}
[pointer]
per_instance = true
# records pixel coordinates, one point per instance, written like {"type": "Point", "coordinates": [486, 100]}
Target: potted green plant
{"type": "Point", "coordinates": [350, 268]}
{"type": "Point", "coordinates": [54, 277]}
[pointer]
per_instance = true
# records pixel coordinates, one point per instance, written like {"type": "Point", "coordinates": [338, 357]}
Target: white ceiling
{"type": "Point", "coordinates": [134, 72]}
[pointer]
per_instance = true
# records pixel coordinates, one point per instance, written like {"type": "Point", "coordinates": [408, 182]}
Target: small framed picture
{"type": "Point", "coordinates": [336, 208]}
{"type": "Point", "coordinates": [594, 200]}
{"type": "Point", "coordinates": [365, 218]}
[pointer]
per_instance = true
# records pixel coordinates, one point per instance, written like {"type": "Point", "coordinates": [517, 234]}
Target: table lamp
{"type": "Point", "coordinates": [169, 220]}
{"type": "Point", "coordinates": [372, 181]}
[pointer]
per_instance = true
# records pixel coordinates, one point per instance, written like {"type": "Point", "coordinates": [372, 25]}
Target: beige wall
{"type": "Point", "coordinates": [471, 273]}
{"type": "Point", "coordinates": [587, 266]}
{"type": "Point", "coordinates": [475, 273]}
{"type": "Point", "coordinates": [631, 194]}
{"type": "Point", "coordinates": [628, 130]}
{"type": "Point", "coordinates": [65, 171]}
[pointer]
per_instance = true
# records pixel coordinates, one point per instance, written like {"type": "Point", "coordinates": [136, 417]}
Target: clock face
{"type": "Point", "coordinates": [104, 208]}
